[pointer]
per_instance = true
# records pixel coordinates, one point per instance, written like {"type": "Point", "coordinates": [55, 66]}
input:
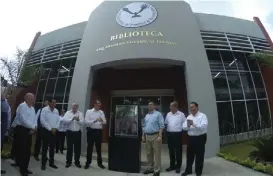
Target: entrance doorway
{"type": "Point", "coordinates": [118, 86]}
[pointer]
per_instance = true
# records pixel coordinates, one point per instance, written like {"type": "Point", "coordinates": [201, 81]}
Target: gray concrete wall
{"type": "Point", "coordinates": [219, 23]}
{"type": "Point", "coordinates": [66, 34]}
{"type": "Point", "coordinates": [177, 23]}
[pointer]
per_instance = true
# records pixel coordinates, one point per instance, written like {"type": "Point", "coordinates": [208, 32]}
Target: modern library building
{"type": "Point", "coordinates": [130, 53]}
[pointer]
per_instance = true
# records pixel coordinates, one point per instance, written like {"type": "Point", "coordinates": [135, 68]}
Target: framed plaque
{"type": "Point", "coordinates": [126, 120]}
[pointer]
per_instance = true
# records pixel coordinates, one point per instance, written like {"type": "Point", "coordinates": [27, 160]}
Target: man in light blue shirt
{"type": "Point", "coordinates": [50, 121]}
{"type": "Point", "coordinates": [26, 125]}
{"type": "Point", "coordinates": [152, 134]}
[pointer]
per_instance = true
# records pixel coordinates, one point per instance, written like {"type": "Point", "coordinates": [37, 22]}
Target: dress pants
{"type": "Point", "coordinates": [196, 149]}
{"type": "Point", "coordinates": [12, 151]}
{"type": "Point", "coordinates": [175, 149]}
{"type": "Point", "coordinates": [94, 136]}
{"type": "Point", "coordinates": [153, 149]}
{"type": "Point", "coordinates": [38, 142]}
{"type": "Point", "coordinates": [48, 139]}
{"type": "Point", "coordinates": [60, 137]}
{"type": "Point", "coordinates": [73, 139]}
{"type": "Point", "coordinates": [22, 147]}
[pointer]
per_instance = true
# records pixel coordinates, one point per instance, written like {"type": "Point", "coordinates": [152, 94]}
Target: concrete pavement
{"type": "Point", "coordinates": [213, 167]}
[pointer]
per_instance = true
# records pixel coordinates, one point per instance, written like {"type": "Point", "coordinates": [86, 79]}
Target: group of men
{"type": "Point", "coordinates": [176, 122]}
{"type": "Point", "coordinates": [49, 125]}
{"type": "Point", "coordinates": [51, 128]}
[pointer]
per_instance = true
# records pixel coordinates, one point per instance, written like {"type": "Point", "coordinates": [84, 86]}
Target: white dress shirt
{"type": "Point", "coordinates": [63, 126]}
{"type": "Point", "coordinates": [50, 119]}
{"type": "Point", "coordinates": [90, 117]}
{"type": "Point", "coordinates": [174, 121]}
{"type": "Point", "coordinates": [25, 116]}
{"type": "Point", "coordinates": [73, 125]}
{"type": "Point", "coordinates": [200, 124]}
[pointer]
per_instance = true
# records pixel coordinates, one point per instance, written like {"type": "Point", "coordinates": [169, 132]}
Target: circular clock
{"type": "Point", "coordinates": [136, 14]}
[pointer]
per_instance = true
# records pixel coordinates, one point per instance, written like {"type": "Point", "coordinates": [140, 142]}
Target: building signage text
{"type": "Point", "coordinates": [137, 37]}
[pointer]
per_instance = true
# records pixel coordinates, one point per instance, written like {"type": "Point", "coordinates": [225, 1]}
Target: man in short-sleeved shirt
{"type": "Point", "coordinates": [152, 134]}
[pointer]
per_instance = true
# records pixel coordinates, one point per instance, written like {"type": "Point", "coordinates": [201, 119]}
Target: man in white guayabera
{"type": "Point", "coordinates": [94, 119]}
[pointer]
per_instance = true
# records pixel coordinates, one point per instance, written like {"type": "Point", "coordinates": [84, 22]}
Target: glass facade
{"type": "Point", "coordinates": [240, 92]}
{"type": "Point", "coordinates": [239, 87]}
{"type": "Point", "coordinates": [55, 82]}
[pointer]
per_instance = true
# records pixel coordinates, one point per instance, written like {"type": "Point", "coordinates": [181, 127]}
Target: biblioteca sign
{"type": "Point", "coordinates": [136, 37]}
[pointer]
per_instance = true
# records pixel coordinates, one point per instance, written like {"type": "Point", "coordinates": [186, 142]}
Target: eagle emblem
{"type": "Point", "coordinates": [136, 14]}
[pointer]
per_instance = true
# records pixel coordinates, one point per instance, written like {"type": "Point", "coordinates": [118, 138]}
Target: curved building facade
{"type": "Point", "coordinates": [160, 51]}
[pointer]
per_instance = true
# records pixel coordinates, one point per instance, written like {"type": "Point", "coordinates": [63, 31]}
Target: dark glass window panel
{"type": "Point", "coordinates": [215, 61]}
{"type": "Point", "coordinates": [165, 104]}
{"type": "Point", "coordinates": [66, 63]}
{"type": "Point", "coordinates": [64, 67]}
{"type": "Point", "coordinates": [241, 61]}
{"type": "Point", "coordinates": [54, 69]}
{"type": "Point", "coordinates": [71, 72]}
{"type": "Point", "coordinates": [252, 63]}
{"type": "Point", "coordinates": [248, 85]}
{"type": "Point", "coordinates": [37, 106]}
{"type": "Point", "coordinates": [40, 91]}
{"type": "Point", "coordinates": [65, 107]}
{"type": "Point", "coordinates": [60, 89]}
{"type": "Point", "coordinates": [253, 115]}
{"type": "Point", "coordinates": [46, 70]}
{"type": "Point", "coordinates": [220, 85]}
{"type": "Point", "coordinates": [59, 107]}
{"type": "Point", "coordinates": [235, 86]}
{"type": "Point", "coordinates": [228, 60]}
{"type": "Point", "coordinates": [240, 117]}
{"type": "Point", "coordinates": [116, 101]}
{"type": "Point", "coordinates": [73, 62]}
{"type": "Point", "coordinates": [226, 125]}
{"type": "Point", "coordinates": [66, 97]}
{"type": "Point", "coordinates": [132, 100]}
{"type": "Point", "coordinates": [264, 110]}
{"type": "Point", "coordinates": [259, 85]}
{"type": "Point", "coordinates": [145, 100]}
{"type": "Point", "coordinates": [50, 88]}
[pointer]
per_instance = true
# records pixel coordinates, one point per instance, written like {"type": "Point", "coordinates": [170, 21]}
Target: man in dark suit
{"type": "Point", "coordinates": [4, 121]}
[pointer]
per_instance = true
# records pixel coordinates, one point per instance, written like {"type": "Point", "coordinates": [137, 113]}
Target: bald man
{"type": "Point", "coordinates": [74, 120]}
{"type": "Point", "coordinates": [26, 125]}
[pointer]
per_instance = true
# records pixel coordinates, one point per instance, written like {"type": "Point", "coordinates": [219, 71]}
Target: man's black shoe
{"type": "Point", "coordinates": [101, 166]}
{"type": "Point", "coordinates": [67, 165]}
{"type": "Point", "coordinates": [177, 171]}
{"type": "Point", "coordinates": [78, 166]}
{"type": "Point", "coordinates": [14, 164]}
{"type": "Point", "coordinates": [156, 174]}
{"type": "Point", "coordinates": [53, 166]}
{"type": "Point", "coordinates": [24, 174]}
{"type": "Point", "coordinates": [36, 158]}
{"type": "Point", "coordinates": [148, 172]}
{"type": "Point", "coordinates": [86, 166]}
{"type": "Point", "coordinates": [3, 172]}
{"type": "Point", "coordinates": [43, 167]}
{"type": "Point", "coordinates": [29, 172]}
{"type": "Point", "coordinates": [185, 173]}
{"type": "Point", "coordinates": [170, 169]}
